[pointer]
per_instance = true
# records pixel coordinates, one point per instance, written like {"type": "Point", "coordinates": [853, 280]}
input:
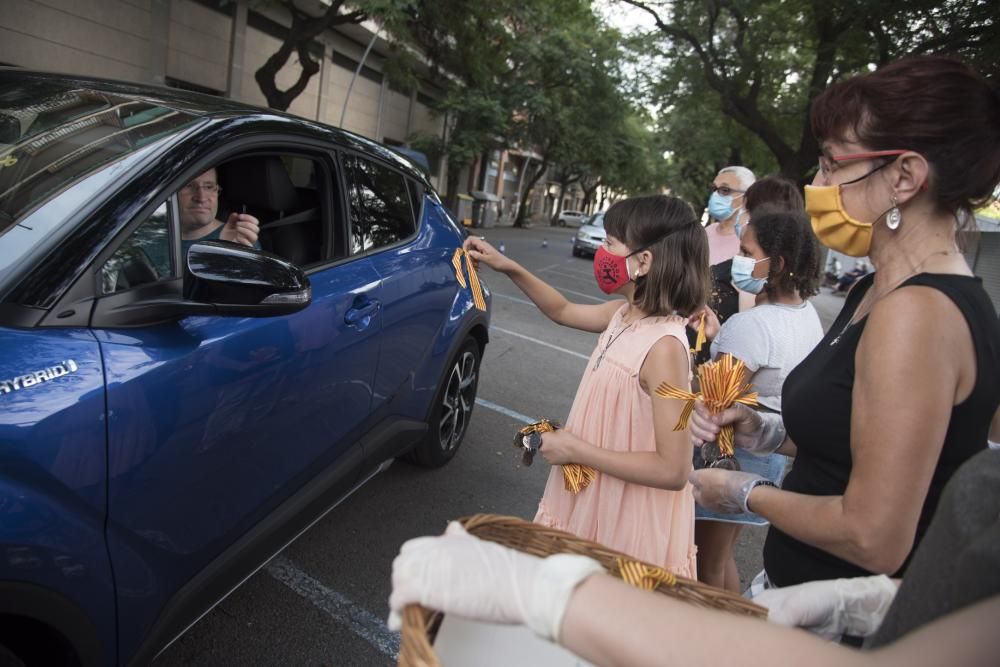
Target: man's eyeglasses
{"type": "Point", "coordinates": [208, 188]}
{"type": "Point", "coordinates": [828, 162]}
{"type": "Point", "coordinates": [724, 190]}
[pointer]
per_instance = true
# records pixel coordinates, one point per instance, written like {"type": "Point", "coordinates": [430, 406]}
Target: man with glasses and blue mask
{"type": "Point", "coordinates": [725, 206]}
{"type": "Point", "coordinates": [198, 202]}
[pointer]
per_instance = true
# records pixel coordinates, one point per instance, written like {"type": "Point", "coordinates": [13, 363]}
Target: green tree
{"type": "Point", "coordinates": [762, 61]}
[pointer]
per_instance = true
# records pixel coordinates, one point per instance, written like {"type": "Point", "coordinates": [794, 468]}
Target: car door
{"type": "Point", "coordinates": [413, 262]}
{"type": "Point", "coordinates": [218, 426]}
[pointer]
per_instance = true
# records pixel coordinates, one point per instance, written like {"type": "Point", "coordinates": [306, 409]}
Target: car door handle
{"type": "Point", "coordinates": [355, 315]}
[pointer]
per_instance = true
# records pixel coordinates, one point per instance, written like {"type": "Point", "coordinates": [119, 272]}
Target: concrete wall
{"type": "Point", "coordinates": [108, 38]}
{"type": "Point", "coordinates": [188, 41]}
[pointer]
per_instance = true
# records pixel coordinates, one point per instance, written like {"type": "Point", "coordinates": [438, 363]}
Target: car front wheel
{"type": "Point", "coordinates": [452, 408]}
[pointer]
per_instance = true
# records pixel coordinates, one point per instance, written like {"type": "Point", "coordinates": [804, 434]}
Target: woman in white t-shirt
{"type": "Point", "coordinates": [779, 261]}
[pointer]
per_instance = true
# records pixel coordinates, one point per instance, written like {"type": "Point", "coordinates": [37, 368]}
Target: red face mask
{"type": "Point", "coordinates": [610, 270]}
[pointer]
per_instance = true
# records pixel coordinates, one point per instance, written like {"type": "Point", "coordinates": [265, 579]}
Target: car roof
{"type": "Point", "coordinates": [16, 83]}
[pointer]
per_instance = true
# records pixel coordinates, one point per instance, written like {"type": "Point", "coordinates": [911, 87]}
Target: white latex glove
{"type": "Point", "coordinates": [833, 607]}
{"type": "Point", "coordinates": [457, 573]}
{"type": "Point", "coordinates": [754, 431]}
{"type": "Point", "coordinates": [723, 491]}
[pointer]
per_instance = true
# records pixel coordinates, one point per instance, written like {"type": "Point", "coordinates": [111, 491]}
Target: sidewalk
{"type": "Point", "coordinates": [827, 306]}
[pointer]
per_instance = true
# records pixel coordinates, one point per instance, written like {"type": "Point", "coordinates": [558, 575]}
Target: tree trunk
{"type": "Point", "coordinates": [522, 209]}
{"type": "Point", "coordinates": [559, 203]}
{"type": "Point", "coordinates": [454, 172]}
{"type": "Point", "coordinates": [301, 33]}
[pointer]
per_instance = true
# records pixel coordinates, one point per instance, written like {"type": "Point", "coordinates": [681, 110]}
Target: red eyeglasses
{"type": "Point", "coordinates": [826, 162]}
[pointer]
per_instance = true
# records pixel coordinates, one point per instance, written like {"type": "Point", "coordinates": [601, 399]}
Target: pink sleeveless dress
{"type": "Point", "coordinates": [611, 410]}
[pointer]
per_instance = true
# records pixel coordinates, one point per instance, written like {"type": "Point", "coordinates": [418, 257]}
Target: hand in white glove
{"type": "Point", "coordinates": [460, 574]}
{"type": "Point", "coordinates": [723, 491]}
{"type": "Point", "coordinates": [754, 431]}
{"type": "Point", "coordinates": [831, 608]}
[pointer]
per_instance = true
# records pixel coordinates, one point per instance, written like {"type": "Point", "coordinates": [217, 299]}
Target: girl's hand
{"type": "Point", "coordinates": [559, 447]}
{"type": "Point", "coordinates": [712, 325]}
{"type": "Point", "coordinates": [481, 251]}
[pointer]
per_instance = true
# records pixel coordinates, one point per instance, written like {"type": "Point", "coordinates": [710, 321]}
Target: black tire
{"type": "Point", "coordinates": [577, 252]}
{"type": "Point", "coordinates": [452, 409]}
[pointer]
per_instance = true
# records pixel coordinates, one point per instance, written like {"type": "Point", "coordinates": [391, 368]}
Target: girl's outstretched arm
{"type": "Point", "coordinates": [559, 309]}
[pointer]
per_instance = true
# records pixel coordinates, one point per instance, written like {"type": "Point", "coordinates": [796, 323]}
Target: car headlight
{"type": "Point", "coordinates": [582, 236]}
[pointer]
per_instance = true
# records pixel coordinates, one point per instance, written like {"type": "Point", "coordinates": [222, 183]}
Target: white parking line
{"type": "Point", "coordinates": [342, 609]}
{"type": "Point", "coordinates": [505, 411]}
{"type": "Point", "coordinates": [575, 276]}
{"type": "Point", "coordinates": [513, 298]}
{"type": "Point", "coordinates": [585, 296]}
{"type": "Point", "coordinates": [540, 342]}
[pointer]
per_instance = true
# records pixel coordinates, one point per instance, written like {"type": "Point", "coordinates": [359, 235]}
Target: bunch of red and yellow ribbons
{"type": "Point", "coordinates": [576, 477]}
{"type": "Point", "coordinates": [473, 284]}
{"type": "Point", "coordinates": [722, 385]}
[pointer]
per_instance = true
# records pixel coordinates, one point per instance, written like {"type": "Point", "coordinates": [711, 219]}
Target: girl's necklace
{"type": "Point", "coordinates": [868, 302]}
{"type": "Point", "coordinates": [622, 328]}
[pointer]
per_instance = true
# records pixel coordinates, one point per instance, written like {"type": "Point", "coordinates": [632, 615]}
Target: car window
{"type": "Point", "coordinates": [63, 135]}
{"type": "Point", "coordinates": [381, 208]}
{"type": "Point", "coordinates": [286, 193]}
{"type": "Point", "coordinates": [145, 256]}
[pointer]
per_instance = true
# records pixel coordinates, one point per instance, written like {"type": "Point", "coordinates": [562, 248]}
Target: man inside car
{"type": "Point", "coordinates": [198, 202]}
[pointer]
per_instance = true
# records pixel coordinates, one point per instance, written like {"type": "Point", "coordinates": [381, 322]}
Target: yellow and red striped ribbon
{"type": "Point", "coordinates": [702, 338]}
{"type": "Point", "coordinates": [576, 476]}
{"type": "Point", "coordinates": [475, 287]}
{"type": "Point", "coordinates": [646, 577]}
{"type": "Point", "coordinates": [721, 383]}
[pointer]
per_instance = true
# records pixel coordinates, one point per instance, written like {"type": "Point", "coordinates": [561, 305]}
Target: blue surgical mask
{"type": "Point", "coordinates": [741, 273]}
{"type": "Point", "coordinates": [720, 207]}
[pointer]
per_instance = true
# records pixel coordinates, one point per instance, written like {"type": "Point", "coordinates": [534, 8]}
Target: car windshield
{"type": "Point", "coordinates": [52, 137]}
{"type": "Point", "coordinates": [596, 220]}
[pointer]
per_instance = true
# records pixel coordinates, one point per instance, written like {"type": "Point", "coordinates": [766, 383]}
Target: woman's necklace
{"type": "Point", "coordinates": [868, 302]}
{"type": "Point", "coordinates": [619, 330]}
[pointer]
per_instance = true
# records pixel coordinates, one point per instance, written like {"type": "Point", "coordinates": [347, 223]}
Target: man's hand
{"type": "Point", "coordinates": [240, 228]}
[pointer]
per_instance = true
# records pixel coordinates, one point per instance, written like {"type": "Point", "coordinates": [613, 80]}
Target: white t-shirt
{"type": "Point", "coordinates": [771, 339]}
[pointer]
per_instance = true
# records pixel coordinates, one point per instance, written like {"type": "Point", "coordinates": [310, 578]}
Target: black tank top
{"type": "Point", "coordinates": [816, 405]}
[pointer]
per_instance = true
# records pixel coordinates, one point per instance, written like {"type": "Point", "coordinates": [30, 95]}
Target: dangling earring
{"type": "Point", "coordinates": [895, 216]}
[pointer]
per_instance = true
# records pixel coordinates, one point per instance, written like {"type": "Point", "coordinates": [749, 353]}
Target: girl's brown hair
{"type": "Point", "coordinates": [788, 235]}
{"type": "Point", "coordinates": [776, 192]}
{"type": "Point", "coordinates": [678, 279]}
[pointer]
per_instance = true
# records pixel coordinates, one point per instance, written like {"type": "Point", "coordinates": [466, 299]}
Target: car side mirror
{"type": "Point", "coordinates": [240, 280]}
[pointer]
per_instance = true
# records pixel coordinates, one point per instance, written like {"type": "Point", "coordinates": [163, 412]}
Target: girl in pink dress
{"type": "Point", "coordinates": [656, 256]}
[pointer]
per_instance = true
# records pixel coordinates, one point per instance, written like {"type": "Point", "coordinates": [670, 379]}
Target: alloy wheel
{"type": "Point", "coordinates": [459, 398]}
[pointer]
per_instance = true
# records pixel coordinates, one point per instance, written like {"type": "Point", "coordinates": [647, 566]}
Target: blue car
{"type": "Point", "coordinates": [178, 402]}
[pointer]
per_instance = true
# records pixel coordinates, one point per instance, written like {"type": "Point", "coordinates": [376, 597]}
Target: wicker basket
{"type": "Point", "coordinates": [420, 625]}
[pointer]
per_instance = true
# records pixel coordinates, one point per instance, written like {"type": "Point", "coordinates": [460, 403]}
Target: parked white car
{"type": "Point", "coordinates": [590, 237]}
{"type": "Point", "coordinates": [570, 218]}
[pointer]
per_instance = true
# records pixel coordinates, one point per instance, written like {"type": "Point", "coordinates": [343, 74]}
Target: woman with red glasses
{"type": "Point", "coordinates": [903, 387]}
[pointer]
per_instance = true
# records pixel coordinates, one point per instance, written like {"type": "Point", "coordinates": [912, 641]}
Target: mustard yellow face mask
{"type": "Point", "coordinates": [832, 225]}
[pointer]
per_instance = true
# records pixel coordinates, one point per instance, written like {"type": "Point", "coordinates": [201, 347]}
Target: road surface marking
{"type": "Point", "coordinates": [585, 357]}
{"type": "Point", "coordinates": [342, 609]}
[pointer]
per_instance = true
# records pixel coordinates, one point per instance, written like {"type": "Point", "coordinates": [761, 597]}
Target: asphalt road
{"type": "Point", "coordinates": [323, 600]}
